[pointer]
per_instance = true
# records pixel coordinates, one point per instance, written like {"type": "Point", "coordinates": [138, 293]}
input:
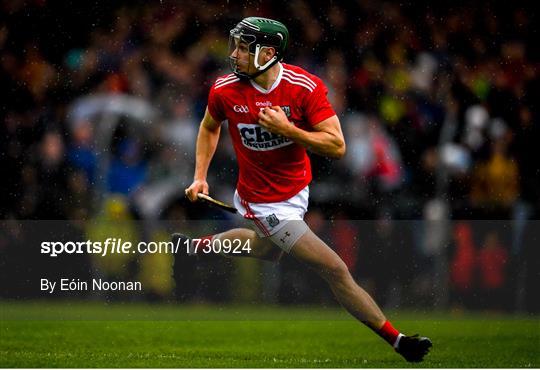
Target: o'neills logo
{"type": "Point", "coordinates": [263, 103]}
{"type": "Point", "coordinates": [257, 138]}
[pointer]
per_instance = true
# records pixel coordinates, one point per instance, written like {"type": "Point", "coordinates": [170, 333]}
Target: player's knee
{"type": "Point", "coordinates": [251, 235]}
{"type": "Point", "coordinates": [336, 271]}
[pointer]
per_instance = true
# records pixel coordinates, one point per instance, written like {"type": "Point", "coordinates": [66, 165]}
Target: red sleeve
{"type": "Point", "coordinates": [317, 108]}
{"type": "Point", "coordinates": [215, 105]}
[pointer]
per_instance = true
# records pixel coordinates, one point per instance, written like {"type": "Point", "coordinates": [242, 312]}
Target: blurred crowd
{"type": "Point", "coordinates": [436, 102]}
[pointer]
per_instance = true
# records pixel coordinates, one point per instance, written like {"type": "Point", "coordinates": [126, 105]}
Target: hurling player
{"type": "Point", "coordinates": [275, 112]}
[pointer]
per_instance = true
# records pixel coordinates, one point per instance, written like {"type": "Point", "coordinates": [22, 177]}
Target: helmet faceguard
{"type": "Point", "coordinates": [253, 35]}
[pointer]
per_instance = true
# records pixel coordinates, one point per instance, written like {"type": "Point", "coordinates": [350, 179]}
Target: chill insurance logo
{"type": "Point", "coordinates": [256, 137]}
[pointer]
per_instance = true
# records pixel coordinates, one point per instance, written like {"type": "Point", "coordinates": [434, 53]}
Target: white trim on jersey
{"type": "Point", "coordinates": [226, 82]}
{"type": "Point", "coordinates": [299, 80]}
{"type": "Point", "coordinates": [287, 78]}
{"type": "Point", "coordinates": [274, 85]}
{"type": "Point", "coordinates": [305, 78]}
{"type": "Point", "coordinates": [220, 79]}
{"type": "Point", "coordinates": [224, 79]}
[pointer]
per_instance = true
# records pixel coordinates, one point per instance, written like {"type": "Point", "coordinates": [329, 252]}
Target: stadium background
{"type": "Point", "coordinates": [101, 108]}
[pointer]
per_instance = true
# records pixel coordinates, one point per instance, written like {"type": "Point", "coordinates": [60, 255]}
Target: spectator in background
{"type": "Point", "coordinates": [492, 261]}
{"type": "Point", "coordinates": [114, 220]}
{"type": "Point", "coordinates": [51, 177]}
{"type": "Point", "coordinates": [81, 154]}
{"type": "Point", "coordinates": [373, 156]}
{"type": "Point", "coordinates": [495, 181]}
{"type": "Point", "coordinates": [79, 200]}
{"type": "Point", "coordinates": [344, 235]}
{"type": "Point", "coordinates": [128, 169]}
{"type": "Point", "coordinates": [462, 266]}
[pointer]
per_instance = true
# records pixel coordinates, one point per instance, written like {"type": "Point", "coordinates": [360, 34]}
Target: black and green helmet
{"type": "Point", "coordinates": [258, 33]}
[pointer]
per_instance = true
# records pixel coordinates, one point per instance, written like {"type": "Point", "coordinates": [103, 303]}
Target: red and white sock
{"type": "Point", "coordinates": [390, 334]}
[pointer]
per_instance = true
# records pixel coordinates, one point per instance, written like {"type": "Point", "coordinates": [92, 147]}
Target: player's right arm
{"type": "Point", "coordinates": [206, 147]}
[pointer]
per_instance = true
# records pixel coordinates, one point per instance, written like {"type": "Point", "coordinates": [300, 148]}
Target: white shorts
{"type": "Point", "coordinates": [270, 218]}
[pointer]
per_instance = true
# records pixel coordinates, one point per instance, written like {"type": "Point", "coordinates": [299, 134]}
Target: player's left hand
{"type": "Point", "coordinates": [274, 120]}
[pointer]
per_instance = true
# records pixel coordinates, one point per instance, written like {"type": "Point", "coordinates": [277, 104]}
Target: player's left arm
{"type": "Point", "coordinates": [326, 138]}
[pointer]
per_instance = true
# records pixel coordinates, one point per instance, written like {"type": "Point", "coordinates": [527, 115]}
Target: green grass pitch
{"type": "Point", "coordinates": [67, 334]}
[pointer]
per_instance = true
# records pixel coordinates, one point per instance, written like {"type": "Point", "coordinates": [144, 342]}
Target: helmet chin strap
{"type": "Point", "coordinates": [260, 69]}
{"type": "Point", "coordinates": [256, 59]}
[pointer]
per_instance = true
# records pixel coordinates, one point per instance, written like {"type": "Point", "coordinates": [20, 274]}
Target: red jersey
{"type": "Point", "coordinates": [272, 168]}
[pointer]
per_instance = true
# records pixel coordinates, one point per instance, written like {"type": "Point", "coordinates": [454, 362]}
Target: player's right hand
{"type": "Point", "coordinates": [198, 186]}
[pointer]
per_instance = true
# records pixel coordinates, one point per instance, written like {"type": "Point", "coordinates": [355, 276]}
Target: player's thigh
{"type": "Point", "coordinates": [314, 252]}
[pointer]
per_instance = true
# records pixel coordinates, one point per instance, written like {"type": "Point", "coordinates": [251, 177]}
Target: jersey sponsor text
{"type": "Point", "coordinates": [256, 137]}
